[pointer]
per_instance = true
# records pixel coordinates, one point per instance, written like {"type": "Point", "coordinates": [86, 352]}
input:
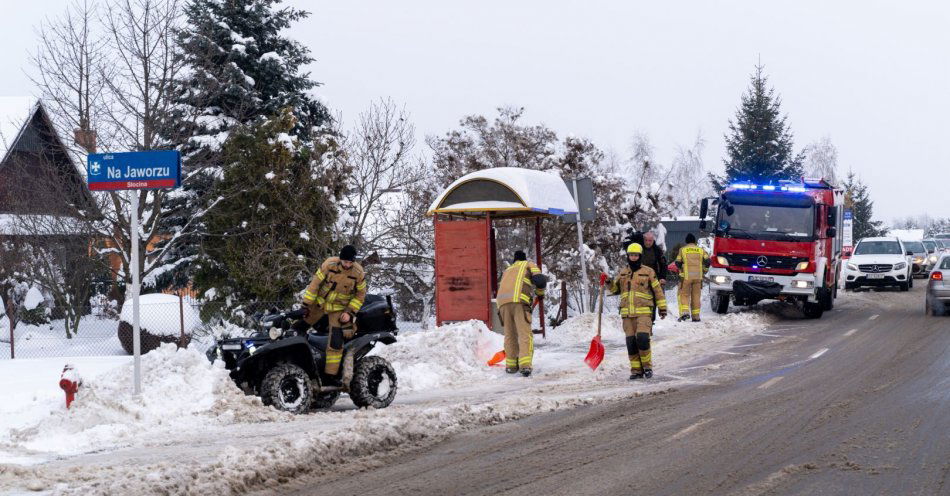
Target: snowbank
{"type": "Point", "coordinates": [161, 314]}
{"type": "Point", "coordinates": [181, 390]}
{"type": "Point", "coordinates": [450, 355]}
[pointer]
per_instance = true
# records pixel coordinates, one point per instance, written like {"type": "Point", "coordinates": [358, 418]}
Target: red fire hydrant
{"type": "Point", "coordinates": [69, 382]}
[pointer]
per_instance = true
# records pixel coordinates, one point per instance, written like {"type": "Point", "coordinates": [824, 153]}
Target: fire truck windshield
{"type": "Point", "coordinates": [777, 223]}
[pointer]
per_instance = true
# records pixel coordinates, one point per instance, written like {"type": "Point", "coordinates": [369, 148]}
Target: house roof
{"type": "Point", "coordinates": [15, 112]}
{"type": "Point", "coordinates": [506, 191]}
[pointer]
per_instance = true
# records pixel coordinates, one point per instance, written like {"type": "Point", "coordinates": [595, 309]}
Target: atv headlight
{"type": "Point", "coordinates": [275, 333]}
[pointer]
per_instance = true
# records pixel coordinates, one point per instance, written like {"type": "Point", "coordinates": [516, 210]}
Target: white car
{"type": "Point", "coordinates": [878, 262]}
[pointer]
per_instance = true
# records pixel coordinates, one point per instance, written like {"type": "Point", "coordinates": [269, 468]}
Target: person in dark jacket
{"type": "Point", "coordinates": [653, 257]}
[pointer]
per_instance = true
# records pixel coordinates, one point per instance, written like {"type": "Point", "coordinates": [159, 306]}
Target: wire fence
{"type": "Point", "coordinates": [102, 330]}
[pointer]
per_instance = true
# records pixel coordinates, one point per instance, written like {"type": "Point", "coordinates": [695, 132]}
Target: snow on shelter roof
{"type": "Point", "coordinates": [15, 112]}
{"type": "Point", "coordinates": [508, 191]}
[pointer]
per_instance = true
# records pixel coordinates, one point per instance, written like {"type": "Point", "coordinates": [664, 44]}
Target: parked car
{"type": "Point", "coordinates": [938, 288]}
{"type": "Point", "coordinates": [918, 257]}
{"type": "Point", "coordinates": [878, 262]}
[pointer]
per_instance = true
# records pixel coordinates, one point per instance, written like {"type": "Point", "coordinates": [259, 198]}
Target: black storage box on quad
{"type": "Point", "coordinates": [376, 314]}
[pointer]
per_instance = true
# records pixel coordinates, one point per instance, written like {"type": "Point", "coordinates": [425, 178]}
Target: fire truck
{"type": "Point", "coordinates": [775, 242]}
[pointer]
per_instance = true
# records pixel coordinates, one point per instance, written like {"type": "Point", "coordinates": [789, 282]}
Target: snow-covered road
{"type": "Point", "coordinates": [193, 431]}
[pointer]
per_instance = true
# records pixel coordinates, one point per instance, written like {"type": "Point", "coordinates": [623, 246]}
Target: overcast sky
{"type": "Point", "coordinates": [873, 76]}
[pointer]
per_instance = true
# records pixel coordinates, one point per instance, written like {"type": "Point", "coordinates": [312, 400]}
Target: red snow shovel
{"type": "Point", "coordinates": [596, 353]}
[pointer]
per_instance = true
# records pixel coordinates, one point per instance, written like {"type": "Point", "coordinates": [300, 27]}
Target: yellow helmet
{"type": "Point", "coordinates": [634, 249]}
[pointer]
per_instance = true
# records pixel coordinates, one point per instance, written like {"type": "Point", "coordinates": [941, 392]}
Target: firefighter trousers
{"type": "Point", "coordinates": [519, 341]}
{"type": "Point", "coordinates": [638, 330]}
{"type": "Point", "coordinates": [689, 297]}
{"type": "Point", "coordinates": [334, 350]}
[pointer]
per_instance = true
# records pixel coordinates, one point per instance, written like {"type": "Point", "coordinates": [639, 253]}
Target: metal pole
{"type": "Point", "coordinates": [580, 251]}
{"type": "Point", "coordinates": [136, 289]}
{"type": "Point", "coordinates": [537, 248]}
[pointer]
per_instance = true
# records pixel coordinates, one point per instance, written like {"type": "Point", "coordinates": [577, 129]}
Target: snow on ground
{"type": "Point", "coordinates": [193, 431]}
{"type": "Point", "coordinates": [97, 336]}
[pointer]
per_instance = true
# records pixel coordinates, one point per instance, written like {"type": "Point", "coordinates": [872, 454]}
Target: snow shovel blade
{"type": "Point", "coordinates": [596, 353]}
{"type": "Point", "coordinates": [495, 360]}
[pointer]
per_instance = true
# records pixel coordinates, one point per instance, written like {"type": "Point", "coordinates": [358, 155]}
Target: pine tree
{"type": "Point", "coordinates": [857, 199]}
{"type": "Point", "coordinates": [239, 70]}
{"type": "Point", "coordinates": [759, 145]}
{"type": "Point", "coordinates": [274, 218]}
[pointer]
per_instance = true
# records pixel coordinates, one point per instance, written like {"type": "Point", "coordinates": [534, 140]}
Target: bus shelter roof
{"type": "Point", "coordinates": [506, 192]}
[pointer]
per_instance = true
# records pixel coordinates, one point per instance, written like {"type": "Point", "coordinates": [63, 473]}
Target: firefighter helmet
{"type": "Point", "coordinates": [634, 249]}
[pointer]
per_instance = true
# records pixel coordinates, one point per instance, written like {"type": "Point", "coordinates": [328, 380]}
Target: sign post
{"type": "Point", "coordinates": [847, 227]}
{"type": "Point", "coordinates": [133, 171]}
{"type": "Point", "coordinates": [583, 191]}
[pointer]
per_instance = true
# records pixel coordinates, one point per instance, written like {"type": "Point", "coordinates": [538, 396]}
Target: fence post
{"type": "Point", "coordinates": [12, 344]}
{"type": "Point", "coordinates": [181, 318]}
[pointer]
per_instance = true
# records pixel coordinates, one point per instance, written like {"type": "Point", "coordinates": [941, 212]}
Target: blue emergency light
{"type": "Point", "coordinates": [770, 187]}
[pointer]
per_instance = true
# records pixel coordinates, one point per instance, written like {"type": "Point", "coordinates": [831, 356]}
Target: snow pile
{"type": "Point", "coordinates": [181, 390]}
{"type": "Point", "coordinates": [450, 355]}
{"type": "Point", "coordinates": [161, 315]}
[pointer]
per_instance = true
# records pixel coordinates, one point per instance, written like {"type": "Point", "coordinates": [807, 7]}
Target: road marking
{"type": "Point", "coordinates": [818, 353]}
{"type": "Point", "coordinates": [873, 316]}
{"type": "Point", "coordinates": [689, 429]}
{"type": "Point", "coordinates": [852, 331]}
{"type": "Point", "coordinates": [728, 353]}
{"type": "Point", "coordinates": [769, 335]}
{"type": "Point", "coordinates": [770, 382]}
{"type": "Point", "coordinates": [745, 345]}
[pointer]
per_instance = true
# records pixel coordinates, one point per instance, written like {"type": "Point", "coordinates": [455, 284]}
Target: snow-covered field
{"type": "Point", "coordinates": [193, 431]}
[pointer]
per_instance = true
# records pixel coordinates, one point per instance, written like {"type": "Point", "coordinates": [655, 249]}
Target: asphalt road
{"type": "Point", "coordinates": [855, 403]}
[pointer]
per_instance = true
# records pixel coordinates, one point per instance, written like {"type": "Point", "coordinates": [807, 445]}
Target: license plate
{"type": "Point", "coordinates": [762, 278]}
{"type": "Point", "coordinates": [875, 276]}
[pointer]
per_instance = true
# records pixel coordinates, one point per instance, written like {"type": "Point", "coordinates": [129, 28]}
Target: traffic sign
{"type": "Point", "coordinates": [154, 169]}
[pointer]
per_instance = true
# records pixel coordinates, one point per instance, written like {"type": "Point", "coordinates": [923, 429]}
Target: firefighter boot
{"type": "Point", "coordinates": [526, 371]}
{"type": "Point", "coordinates": [683, 318]}
{"type": "Point", "coordinates": [511, 370]}
{"type": "Point", "coordinates": [636, 374]}
{"type": "Point", "coordinates": [647, 373]}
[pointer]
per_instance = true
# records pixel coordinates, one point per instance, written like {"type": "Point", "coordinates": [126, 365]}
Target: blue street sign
{"type": "Point", "coordinates": [154, 169]}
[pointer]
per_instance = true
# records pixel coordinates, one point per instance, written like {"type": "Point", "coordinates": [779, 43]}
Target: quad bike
{"type": "Point", "coordinates": [285, 367]}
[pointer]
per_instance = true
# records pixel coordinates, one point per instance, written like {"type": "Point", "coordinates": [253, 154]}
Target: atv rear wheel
{"type": "Point", "coordinates": [374, 383]}
{"type": "Point", "coordinates": [287, 387]}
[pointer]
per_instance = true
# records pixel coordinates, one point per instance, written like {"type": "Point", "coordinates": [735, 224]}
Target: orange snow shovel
{"type": "Point", "coordinates": [596, 353]}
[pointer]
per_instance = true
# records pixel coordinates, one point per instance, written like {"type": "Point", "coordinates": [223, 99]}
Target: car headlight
{"type": "Point", "coordinates": [933, 259]}
{"type": "Point", "coordinates": [901, 265]}
{"type": "Point", "coordinates": [802, 265]}
{"type": "Point", "coordinates": [721, 279]}
{"type": "Point", "coordinates": [851, 266]}
{"type": "Point", "coordinates": [918, 260]}
{"type": "Point", "coordinates": [722, 260]}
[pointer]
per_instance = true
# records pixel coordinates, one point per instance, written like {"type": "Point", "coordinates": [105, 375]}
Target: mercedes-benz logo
{"type": "Point", "coordinates": [762, 260]}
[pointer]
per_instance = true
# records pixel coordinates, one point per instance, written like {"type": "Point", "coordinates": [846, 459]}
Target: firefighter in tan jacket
{"type": "Point", "coordinates": [337, 290]}
{"type": "Point", "coordinates": [693, 262]}
{"type": "Point", "coordinates": [639, 291]}
{"type": "Point", "coordinates": [514, 308]}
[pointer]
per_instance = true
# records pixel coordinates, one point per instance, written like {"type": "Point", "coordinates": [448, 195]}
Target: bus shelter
{"type": "Point", "coordinates": [466, 261]}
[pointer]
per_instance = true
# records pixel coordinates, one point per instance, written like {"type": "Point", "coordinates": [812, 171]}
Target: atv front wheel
{"type": "Point", "coordinates": [287, 387]}
{"type": "Point", "coordinates": [374, 383]}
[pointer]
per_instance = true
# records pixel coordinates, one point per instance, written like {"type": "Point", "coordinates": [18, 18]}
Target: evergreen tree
{"type": "Point", "coordinates": [858, 200]}
{"type": "Point", "coordinates": [759, 145]}
{"type": "Point", "coordinates": [274, 216]}
{"type": "Point", "coordinates": [239, 70]}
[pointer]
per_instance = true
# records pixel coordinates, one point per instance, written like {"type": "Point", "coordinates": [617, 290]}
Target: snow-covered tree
{"type": "Point", "coordinates": [759, 142]}
{"type": "Point", "coordinates": [688, 178]}
{"type": "Point", "coordinates": [275, 213]}
{"type": "Point", "coordinates": [239, 69]}
{"type": "Point", "coordinates": [821, 160]}
{"type": "Point", "coordinates": [857, 198]}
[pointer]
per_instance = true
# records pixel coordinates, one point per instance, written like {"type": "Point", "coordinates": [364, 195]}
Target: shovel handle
{"type": "Point", "coordinates": [600, 311]}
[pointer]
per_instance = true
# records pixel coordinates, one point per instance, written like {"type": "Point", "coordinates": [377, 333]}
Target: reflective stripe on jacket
{"type": "Point", "coordinates": [638, 291]}
{"type": "Point", "coordinates": [693, 261]}
{"type": "Point", "coordinates": [516, 283]}
{"type": "Point", "coordinates": [335, 288]}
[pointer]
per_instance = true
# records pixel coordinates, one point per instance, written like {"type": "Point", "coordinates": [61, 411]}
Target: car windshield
{"type": "Point", "coordinates": [914, 246]}
{"type": "Point", "coordinates": [767, 222]}
{"type": "Point", "coordinates": [878, 248]}
{"type": "Point", "coordinates": [931, 246]}
{"type": "Point", "coordinates": [946, 263]}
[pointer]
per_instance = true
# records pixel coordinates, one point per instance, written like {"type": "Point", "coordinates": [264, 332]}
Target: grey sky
{"type": "Point", "coordinates": [873, 76]}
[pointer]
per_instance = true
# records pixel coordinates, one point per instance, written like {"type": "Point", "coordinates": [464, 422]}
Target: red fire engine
{"type": "Point", "coordinates": [776, 241]}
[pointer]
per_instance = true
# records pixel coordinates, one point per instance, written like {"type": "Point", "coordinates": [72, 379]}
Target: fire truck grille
{"type": "Point", "coordinates": [770, 261]}
{"type": "Point", "coordinates": [875, 268]}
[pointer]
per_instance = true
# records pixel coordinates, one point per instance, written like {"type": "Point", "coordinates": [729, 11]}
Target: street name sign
{"type": "Point", "coordinates": [154, 169]}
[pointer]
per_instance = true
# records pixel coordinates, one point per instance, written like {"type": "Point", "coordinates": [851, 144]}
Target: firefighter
{"type": "Point", "coordinates": [514, 309]}
{"type": "Point", "coordinates": [337, 290]}
{"type": "Point", "coordinates": [692, 262]}
{"type": "Point", "coordinates": [639, 292]}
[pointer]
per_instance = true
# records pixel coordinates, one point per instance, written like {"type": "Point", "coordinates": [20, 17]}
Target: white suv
{"type": "Point", "coordinates": [878, 262]}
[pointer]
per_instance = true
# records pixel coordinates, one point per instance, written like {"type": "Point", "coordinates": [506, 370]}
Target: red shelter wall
{"type": "Point", "coordinates": [462, 270]}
